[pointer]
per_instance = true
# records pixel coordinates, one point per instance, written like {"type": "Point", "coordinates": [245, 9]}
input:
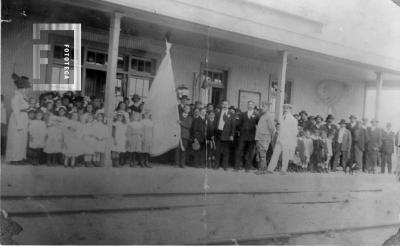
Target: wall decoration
{"type": "Point", "coordinates": [245, 96]}
{"type": "Point", "coordinates": [330, 92]}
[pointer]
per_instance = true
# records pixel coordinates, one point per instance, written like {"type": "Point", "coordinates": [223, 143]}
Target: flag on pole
{"type": "Point", "coordinates": [163, 105]}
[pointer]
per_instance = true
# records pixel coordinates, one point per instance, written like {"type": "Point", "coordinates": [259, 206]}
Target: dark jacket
{"type": "Point", "coordinates": [247, 126]}
{"type": "Point", "coordinates": [346, 141]}
{"type": "Point", "coordinates": [211, 129]}
{"type": "Point", "coordinates": [373, 139]}
{"type": "Point", "coordinates": [198, 129]}
{"type": "Point", "coordinates": [330, 129]}
{"type": "Point", "coordinates": [359, 138]}
{"type": "Point", "coordinates": [186, 124]}
{"type": "Point", "coordinates": [388, 139]}
{"type": "Point", "coordinates": [228, 129]}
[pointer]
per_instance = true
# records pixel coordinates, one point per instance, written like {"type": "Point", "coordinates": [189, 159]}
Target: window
{"type": "Point", "coordinates": [97, 57]}
{"type": "Point", "coordinates": [58, 77]}
{"type": "Point", "coordinates": [140, 86]}
{"type": "Point", "coordinates": [142, 65]}
{"type": "Point", "coordinates": [214, 77]}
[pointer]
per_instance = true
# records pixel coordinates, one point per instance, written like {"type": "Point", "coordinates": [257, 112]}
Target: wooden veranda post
{"type": "Point", "coordinates": [109, 104]}
{"type": "Point", "coordinates": [281, 87]}
{"type": "Point", "coordinates": [379, 84]}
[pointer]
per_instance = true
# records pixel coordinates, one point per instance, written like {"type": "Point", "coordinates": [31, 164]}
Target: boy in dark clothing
{"type": "Point", "coordinates": [211, 138]}
{"type": "Point", "coordinates": [181, 152]}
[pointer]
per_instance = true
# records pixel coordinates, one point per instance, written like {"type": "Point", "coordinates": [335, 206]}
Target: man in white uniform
{"type": "Point", "coordinates": [286, 141]}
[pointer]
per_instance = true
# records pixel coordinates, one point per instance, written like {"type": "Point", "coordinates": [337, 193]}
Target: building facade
{"type": "Point", "coordinates": [238, 62]}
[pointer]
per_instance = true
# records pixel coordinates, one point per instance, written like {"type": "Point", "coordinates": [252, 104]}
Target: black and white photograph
{"type": "Point", "coordinates": [200, 122]}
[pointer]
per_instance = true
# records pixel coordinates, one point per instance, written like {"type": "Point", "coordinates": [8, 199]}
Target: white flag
{"type": "Point", "coordinates": [163, 105]}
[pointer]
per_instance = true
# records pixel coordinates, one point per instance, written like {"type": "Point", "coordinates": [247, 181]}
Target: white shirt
{"type": "Point", "coordinates": [340, 137]}
{"type": "Point", "coordinates": [250, 113]}
{"type": "Point", "coordinates": [221, 119]}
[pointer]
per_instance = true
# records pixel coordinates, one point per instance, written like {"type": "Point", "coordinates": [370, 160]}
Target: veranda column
{"type": "Point", "coordinates": [111, 79]}
{"type": "Point", "coordinates": [379, 84]}
{"type": "Point", "coordinates": [281, 87]}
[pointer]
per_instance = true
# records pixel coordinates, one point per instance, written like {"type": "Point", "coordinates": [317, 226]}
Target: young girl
{"type": "Point", "coordinates": [147, 138]}
{"type": "Point", "coordinates": [318, 156]}
{"type": "Point", "coordinates": [54, 141]}
{"type": "Point", "coordinates": [328, 151]}
{"type": "Point", "coordinates": [72, 141]}
{"type": "Point", "coordinates": [119, 140]}
{"type": "Point", "coordinates": [122, 108]}
{"type": "Point", "coordinates": [37, 137]}
{"type": "Point", "coordinates": [100, 132]}
{"type": "Point", "coordinates": [88, 140]}
{"type": "Point", "coordinates": [307, 150]}
{"type": "Point", "coordinates": [135, 139]}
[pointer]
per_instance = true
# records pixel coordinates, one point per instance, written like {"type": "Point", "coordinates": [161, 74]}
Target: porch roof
{"type": "Point", "coordinates": [140, 21]}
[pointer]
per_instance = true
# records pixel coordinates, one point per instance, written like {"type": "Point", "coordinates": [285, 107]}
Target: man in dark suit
{"type": "Point", "coordinates": [343, 146]}
{"type": "Point", "coordinates": [387, 149]}
{"type": "Point", "coordinates": [198, 132]}
{"type": "Point", "coordinates": [329, 127]}
{"type": "Point", "coordinates": [351, 126]}
{"type": "Point", "coordinates": [247, 126]}
{"type": "Point", "coordinates": [373, 140]}
{"type": "Point", "coordinates": [358, 148]}
{"type": "Point", "coordinates": [225, 135]}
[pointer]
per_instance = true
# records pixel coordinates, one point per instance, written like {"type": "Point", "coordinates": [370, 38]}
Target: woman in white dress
{"type": "Point", "coordinates": [17, 134]}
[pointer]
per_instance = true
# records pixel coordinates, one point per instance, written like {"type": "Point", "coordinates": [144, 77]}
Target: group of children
{"type": "Point", "coordinates": [313, 152]}
{"type": "Point", "coordinates": [73, 130]}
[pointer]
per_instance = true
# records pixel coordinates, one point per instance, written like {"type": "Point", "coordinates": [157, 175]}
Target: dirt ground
{"type": "Point", "coordinates": [167, 205]}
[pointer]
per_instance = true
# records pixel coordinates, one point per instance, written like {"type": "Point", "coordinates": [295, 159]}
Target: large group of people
{"type": "Point", "coordinates": [71, 130]}
{"type": "Point", "coordinates": [224, 137]}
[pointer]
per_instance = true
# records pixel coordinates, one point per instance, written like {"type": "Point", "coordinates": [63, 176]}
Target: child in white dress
{"type": "Point", "coordinates": [54, 140]}
{"type": "Point", "coordinates": [72, 141]}
{"type": "Point", "coordinates": [89, 140]}
{"type": "Point", "coordinates": [100, 132]}
{"type": "Point", "coordinates": [37, 131]}
{"type": "Point", "coordinates": [148, 127]}
{"type": "Point", "coordinates": [135, 139]}
{"type": "Point", "coordinates": [118, 150]}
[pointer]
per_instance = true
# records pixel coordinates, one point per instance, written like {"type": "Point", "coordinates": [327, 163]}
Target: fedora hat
{"type": "Point", "coordinates": [342, 122]}
{"type": "Point", "coordinates": [318, 117]}
{"type": "Point", "coordinates": [303, 112]}
{"type": "Point", "coordinates": [329, 117]}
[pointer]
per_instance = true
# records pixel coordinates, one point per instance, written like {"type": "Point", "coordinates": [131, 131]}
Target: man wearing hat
{"type": "Point", "coordinates": [286, 141]}
{"type": "Point", "coordinates": [318, 124]}
{"type": "Point", "coordinates": [342, 145]}
{"type": "Point", "coordinates": [17, 134]}
{"type": "Point", "coordinates": [225, 135]}
{"type": "Point", "coordinates": [329, 127]}
{"type": "Point", "coordinates": [264, 132]}
{"type": "Point", "coordinates": [373, 141]}
{"type": "Point", "coordinates": [387, 149]}
{"type": "Point", "coordinates": [247, 127]}
{"type": "Point", "coordinates": [352, 126]}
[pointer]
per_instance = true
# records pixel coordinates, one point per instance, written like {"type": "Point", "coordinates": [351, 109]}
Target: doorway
{"type": "Point", "coordinates": [95, 83]}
